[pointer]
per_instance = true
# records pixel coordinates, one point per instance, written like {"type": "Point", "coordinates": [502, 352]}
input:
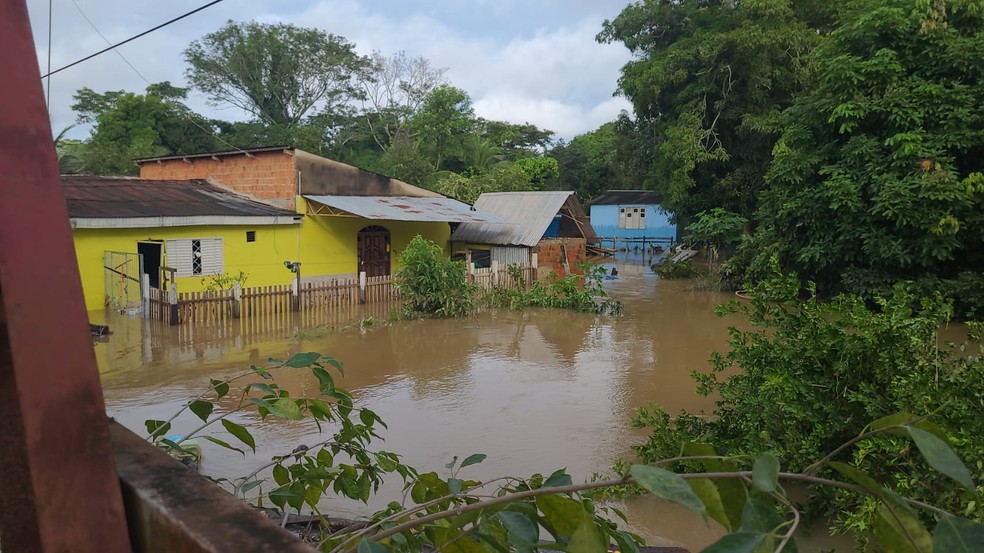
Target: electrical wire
{"type": "Point", "coordinates": [132, 38]}
{"type": "Point", "coordinates": [146, 80]}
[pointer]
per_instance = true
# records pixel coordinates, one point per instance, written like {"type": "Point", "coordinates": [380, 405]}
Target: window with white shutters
{"type": "Point", "coordinates": [195, 257]}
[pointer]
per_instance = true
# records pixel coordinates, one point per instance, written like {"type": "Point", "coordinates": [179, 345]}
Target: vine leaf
{"type": "Point", "coordinates": [941, 457]}
{"type": "Point", "coordinates": [958, 535]}
{"type": "Point", "coordinates": [742, 542]}
{"type": "Point", "coordinates": [711, 498]}
{"type": "Point", "coordinates": [901, 532]}
{"type": "Point", "coordinates": [240, 433]}
{"type": "Point", "coordinates": [587, 539]}
{"type": "Point", "coordinates": [765, 473]}
{"type": "Point", "coordinates": [201, 408]}
{"type": "Point", "coordinates": [305, 359]}
{"type": "Point", "coordinates": [224, 444]}
{"type": "Point", "coordinates": [473, 459]}
{"type": "Point", "coordinates": [669, 486]}
{"type": "Point", "coordinates": [523, 533]}
{"type": "Point", "coordinates": [369, 546]}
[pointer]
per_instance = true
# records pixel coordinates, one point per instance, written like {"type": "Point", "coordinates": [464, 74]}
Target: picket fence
{"type": "Point", "coordinates": [265, 308]}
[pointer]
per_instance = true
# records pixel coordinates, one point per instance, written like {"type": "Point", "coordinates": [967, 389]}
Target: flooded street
{"type": "Point", "coordinates": [536, 390]}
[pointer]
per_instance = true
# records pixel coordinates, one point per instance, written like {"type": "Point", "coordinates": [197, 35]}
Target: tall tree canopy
{"type": "Point", "coordinates": [129, 126]}
{"type": "Point", "coordinates": [590, 163]}
{"type": "Point", "coordinates": [279, 73]}
{"type": "Point", "coordinates": [877, 177]}
{"type": "Point", "coordinates": [708, 84]}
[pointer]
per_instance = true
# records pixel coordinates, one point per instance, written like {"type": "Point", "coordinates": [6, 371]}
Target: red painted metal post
{"type": "Point", "coordinates": [59, 487]}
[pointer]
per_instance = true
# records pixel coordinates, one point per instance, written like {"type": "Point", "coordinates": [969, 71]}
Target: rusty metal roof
{"type": "Point", "coordinates": [528, 214]}
{"type": "Point", "coordinates": [93, 197]}
{"type": "Point", "coordinates": [241, 151]}
{"type": "Point", "coordinates": [405, 208]}
{"type": "Point", "coordinates": [628, 197]}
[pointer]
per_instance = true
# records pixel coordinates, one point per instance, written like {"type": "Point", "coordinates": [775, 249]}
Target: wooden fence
{"type": "Point", "coordinates": [266, 308]}
{"type": "Point", "coordinates": [267, 305]}
{"type": "Point", "coordinates": [513, 276]}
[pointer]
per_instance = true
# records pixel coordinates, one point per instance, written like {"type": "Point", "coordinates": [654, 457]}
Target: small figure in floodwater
{"type": "Point", "coordinates": [614, 271]}
{"type": "Point", "coordinates": [612, 276]}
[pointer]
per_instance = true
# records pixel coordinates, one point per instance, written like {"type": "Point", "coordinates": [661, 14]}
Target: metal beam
{"type": "Point", "coordinates": [60, 489]}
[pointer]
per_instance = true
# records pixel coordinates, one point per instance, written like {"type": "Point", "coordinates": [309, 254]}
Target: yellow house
{"type": "Point", "coordinates": [214, 216]}
{"type": "Point", "coordinates": [355, 221]}
{"type": "Point", "coordinates": [125, 228]}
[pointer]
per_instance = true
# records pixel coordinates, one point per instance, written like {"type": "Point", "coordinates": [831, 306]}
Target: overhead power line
{"type": "Point", "coordinates": [132, 38]}
{"type": "Point", "coordinates": [146, 80]}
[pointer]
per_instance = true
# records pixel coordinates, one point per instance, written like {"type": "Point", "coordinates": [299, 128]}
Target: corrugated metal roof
{"type": "Point", "coordinates": [125, 197]}
{"type": "Point", "coordinates": [241, 151]}
{"type": "Point", "coordinates": [628, 197]}
{"type": "Point", "coordinates": [405, 208]}
{"type": "Point", "coordinates": [528, 213]}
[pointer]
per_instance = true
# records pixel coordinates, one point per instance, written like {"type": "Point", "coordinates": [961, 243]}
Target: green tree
{"type": "Point", "coordinates": [279, 73]}
{"type": "Point", "coordinates": [441, 126]}
{"type": "Point", "coordinates": [877, 178]}
{"type": "Point", "coordinates": [129, 126]}
{"type": "Point", "coordinates": [708, 83]}
{"type": "Point", "coordinates": [589, 164]}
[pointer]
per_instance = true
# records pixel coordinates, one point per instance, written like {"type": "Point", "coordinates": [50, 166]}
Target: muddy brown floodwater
{"type": "Point", "coordinates": [536, 390]}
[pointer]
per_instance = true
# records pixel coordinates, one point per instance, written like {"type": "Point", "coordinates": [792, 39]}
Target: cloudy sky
{"type": "Point", "coordinates": [520, 60]}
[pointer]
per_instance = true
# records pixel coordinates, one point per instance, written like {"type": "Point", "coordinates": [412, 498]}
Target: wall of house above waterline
{"type": "Point", "coordinates": [632, 221]}
{"type": "Point", "coordinates": [257, 250]}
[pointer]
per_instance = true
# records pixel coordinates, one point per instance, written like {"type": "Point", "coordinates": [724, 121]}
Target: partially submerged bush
{"type": "Point", "coordinates": [679, 270]}
{"type": "Point", "coordinates": [578, 292]}
{"type": "Point", "coordinates": [431, 284]}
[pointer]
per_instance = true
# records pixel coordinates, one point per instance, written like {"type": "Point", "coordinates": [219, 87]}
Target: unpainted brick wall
{"type": "Point", "coordinates": [266, 176]}
{"type": "Point", "coordinates": [550, 255]}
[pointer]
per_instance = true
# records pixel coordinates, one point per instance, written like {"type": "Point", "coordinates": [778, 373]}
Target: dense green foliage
{"type": "Point", "coordinates": [812, 374]}
{"type": "Point", "coordinates": [590, 164]}
{"type": "Point", "coordinates": [680, 270]}
{"type": "Point", "coordinates": [580, 292]}
{"type": "Point", "coordinates": [431, 284]}
{"type": "Point", "coordinates": [129, 126]}
{"type": "Point", "coordinates": [708, 83]}
{"type": "Point", "coordinates": [877, 176]}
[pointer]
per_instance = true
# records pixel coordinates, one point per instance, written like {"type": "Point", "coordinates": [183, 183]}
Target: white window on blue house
{"type": "Point", "coordinates": [632, 217]}
{"type": "Point", "coordinates": [195, 257]}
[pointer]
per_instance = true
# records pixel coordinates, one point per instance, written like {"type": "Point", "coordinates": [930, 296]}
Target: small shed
{"type": "Point", "coordinates": [618, 215]}
{"type": "Point", "coordinates": [551, 225]}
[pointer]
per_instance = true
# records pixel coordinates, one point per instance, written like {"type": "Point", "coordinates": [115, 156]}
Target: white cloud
{"type": "Point", "coordinates": [534, 61]}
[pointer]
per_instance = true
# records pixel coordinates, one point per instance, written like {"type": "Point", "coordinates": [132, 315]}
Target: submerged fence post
{"type": "Point", "coordinates": [362, 287]}
{"type": "Point", "coordinates": [495, 273]}
{"type": "Point", "coordinates": [295, 288]}
{"type": "Point", "coordinates": [145, 294]}
{"type": "Point", "coordinates": [237, 300]}
{"type": "Point", "coordinates": [172, 300]}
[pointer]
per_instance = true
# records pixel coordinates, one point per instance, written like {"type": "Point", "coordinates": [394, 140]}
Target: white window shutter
{"type": "Point", "coordinates": [213, 260]}
{"type": "Point", "coordinates": [178, 254]}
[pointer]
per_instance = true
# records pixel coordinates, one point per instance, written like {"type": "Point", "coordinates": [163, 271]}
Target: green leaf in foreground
{"type": "Point", "coordinates": [201, 408]}
{"type": "Point", "coordinates": [369, 546]}
{"type": "Point", "coordinates": [941, 457]}
{"type": "Point", "coordinates": [240, 433]}
{"type": "Point", "coordinates": [305, 359]}
{"type": "Point", "coordinates": [899, 531]}
{"type": "Point", "coordinates": [286, 408]}
{"type": "Point", "coordinates": [742, 542]}
{"type": "Point", "coordinates": [523, 533]}
{"type": "Point", "coordinates": [958, 535]}
{"type": "Point", "coordinates": [224, 444]}
{"type": "Point", "coordinates": [668, 486]}
{"type": "Point", "coordinates": [765, 473]}
{"type": "Point", "coordinates": [587, 539]}
{"type": "Point", "coordinates": [473, 459]}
